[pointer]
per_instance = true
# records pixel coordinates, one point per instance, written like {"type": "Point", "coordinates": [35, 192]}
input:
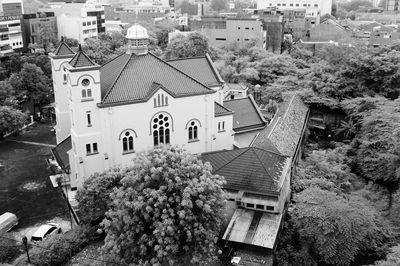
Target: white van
{"type": "Point", "coordinates": [7, 221]}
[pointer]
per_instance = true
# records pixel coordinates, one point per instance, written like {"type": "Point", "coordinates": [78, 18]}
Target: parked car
{"type": "Point", "coordinates": [45, 231]}
{"type": "Point", "coordinates": [7, 221]}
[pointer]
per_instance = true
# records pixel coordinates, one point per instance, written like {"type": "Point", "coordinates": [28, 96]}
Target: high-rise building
{"type": "Point", "coordinates": [392, 5]}
{"type": "Point", "coordinates": [32, 23]}
{"type": "Point", "coordinates": [313, 7]}
{"type": "Point", "coordinates": [10, 26]}
{"type": "Point", "coordinates": [79, 10]}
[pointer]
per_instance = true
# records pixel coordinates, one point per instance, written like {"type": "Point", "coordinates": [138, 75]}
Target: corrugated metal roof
{"type": "Point", "coordinates": [249, 169]}
{"type": "Point", "coordinates": [81, 60]}
{"type": "Point", "coordinates": [220, 110]}
{"type": "Point", "coordinates": [247, 115]}
{"type": "Point", "coordinates": [263, 233]}
{"type": "Point", "coordinates": [130, 78]}
{"type": "Point", "coordinates": [286, 129]}
{"type": "Point", "coordinates": [60, 152]}
{"type": "Point", "coordinates": [200, 68]}
{"type": "Point", "coordinates": [63, 49]}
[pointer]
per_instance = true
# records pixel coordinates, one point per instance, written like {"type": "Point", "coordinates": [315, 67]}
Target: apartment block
{"type": "Point", "coordinates": [79, 10]}
{"type": "Point", "coordinates": [313, 7]}
{"type": "Point", "coordinates": [32, 23]}
{"type": "Point", "coordinates": [223, 30]}
{"type": "Point", "coordinates": [11, 38]}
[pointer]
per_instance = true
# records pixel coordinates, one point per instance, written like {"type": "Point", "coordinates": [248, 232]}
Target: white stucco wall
{"type": "Point", "coordinates": [108, 123]}
{"type": "Point", "coordinates": [62, 110]}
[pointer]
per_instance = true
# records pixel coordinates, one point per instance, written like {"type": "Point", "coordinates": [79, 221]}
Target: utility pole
{"type": "Point", "coordinates": [25, 241]}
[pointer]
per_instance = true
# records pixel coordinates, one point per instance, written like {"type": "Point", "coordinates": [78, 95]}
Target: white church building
{"type": "Point", "coordinates": [136, 101]}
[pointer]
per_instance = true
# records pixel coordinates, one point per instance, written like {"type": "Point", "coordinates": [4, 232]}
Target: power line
{"type": "Point", "coordinates": [35, 245]}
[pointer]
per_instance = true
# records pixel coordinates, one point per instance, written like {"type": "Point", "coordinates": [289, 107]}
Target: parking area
{"type": "Point", "coordinates": [25, 188]}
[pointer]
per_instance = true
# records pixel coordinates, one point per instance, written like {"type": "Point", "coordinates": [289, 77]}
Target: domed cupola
{"type": "Point", "coordinates": [138, 39]}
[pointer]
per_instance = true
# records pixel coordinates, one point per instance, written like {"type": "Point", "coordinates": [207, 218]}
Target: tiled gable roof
{"type": "Point", "coordinates": [81, 60]}
{"type": "Point", "coordinates": [247, 116]}
{"type": "Point", "coordinates": [60, 152]}
{"type": "Point", "coordinates": [286, 129]}
{"type": "Point", "coordinates": [63, 49]}
{"type": "Point", "coordinates": [129, 78]}
{"type": "Point", "coordinates": [200, 68]}
{"type": "Point", "coordinates": [248, 169]}
{"type": "Point", "coordinates": [220, 110]}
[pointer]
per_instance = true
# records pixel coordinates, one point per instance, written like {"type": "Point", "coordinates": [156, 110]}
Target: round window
{"type": "Point", "coordinates": [85, 82]}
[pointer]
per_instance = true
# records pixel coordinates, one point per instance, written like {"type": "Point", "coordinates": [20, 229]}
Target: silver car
{"type": "Point", "coordinates": [45, 231]}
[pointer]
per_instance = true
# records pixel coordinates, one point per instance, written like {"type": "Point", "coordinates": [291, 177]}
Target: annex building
{"type": "Point", "coordinates": [136, 101]}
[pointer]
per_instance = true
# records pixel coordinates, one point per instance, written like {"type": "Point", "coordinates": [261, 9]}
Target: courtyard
{"type": "Point", "coordinates": [25, 188]}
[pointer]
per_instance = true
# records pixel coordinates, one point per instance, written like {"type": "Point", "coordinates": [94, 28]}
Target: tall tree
{"type": "Point", "coordinates": [377, 144]}
{"type": "Point", "coordinates": [94, 197]}
{"type": "Point", "coordinates": [31, 84]}
{"type": "Point", "coordinates": [11, 119]}
{"type": "Point", "coordinates": [218, 5]}
{"type": "Point", "coordinates": [169, 209]}
{"type": "Point", "coordinates": [195, 44]}
{"type": "Point", "coordinates": [46, 37]}
{"type": "Point", "coordinates": [7, 93]}
{"type": "Point", "coordinates": [337, 228]}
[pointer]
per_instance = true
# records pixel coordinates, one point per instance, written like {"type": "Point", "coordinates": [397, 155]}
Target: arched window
{"type": "Point", "coordinates": [161, 128]}
{"type": "Point", "coordinates": [193, 130]}
{"type": "Point", "coordinates": [86, 93]}
{"type": "Point", "coordinates": [127, 142]}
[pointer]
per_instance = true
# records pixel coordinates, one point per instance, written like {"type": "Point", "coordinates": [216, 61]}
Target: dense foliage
{"type": "Point", "coordinates": [168, 209]}
{"type": "Point", "coordinates": [94, 197]}
{"type": "Point", "coordinates": [11, 119]}
{"type": "Point", "coordinates": [58, 249]}
{"type": "Point", "coordinates": [181, 46]}
{"type": "Point", "coordinates": [337, 227]}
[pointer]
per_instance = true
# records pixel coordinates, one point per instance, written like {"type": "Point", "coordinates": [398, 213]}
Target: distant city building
{"type": "Point", "coordinates": [115, 26]}
{"type": "Point", "coordinates": [78, 28]}
{"type": "Point", "coordinates": [11, 38]}
{"type": "Point", "coordinates": [225, 30]}
{"type": "Point", "coordinates": [78, 10]}
{"type": "Point", "coordinates": [31, 24]}
{"type": "Point", "coordinates": [313, 7]}
{"type": "Point", "coordinates": [392, 5]}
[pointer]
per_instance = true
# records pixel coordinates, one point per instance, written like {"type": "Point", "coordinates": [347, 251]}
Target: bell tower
{"type": "Point", "coordinates": [59, 59]}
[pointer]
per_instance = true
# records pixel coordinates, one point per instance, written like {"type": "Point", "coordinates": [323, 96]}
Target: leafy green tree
{"type": "Point", "coordinates": [94, 197]}
{"type": "Point", "coordinates": [347, 128]}
{"type": "Point", "coordinates": [218, 5]}
{"type": "Point", "coordinates": [195, 44]}
{"type": "Point", "coordinates": [46, 37]}
{"type": "Point", "coordinates": [393, 258]}
{"type": "Point", "coordinates": [377, 150]}
{"type": "Point", "coordinates": [338, 228]}
{"type": "Point", "coordinates": [11, 119]}
{"type": "Point", "coordinates": [325, 169]}
{"type": "Point", "coordinates": [169, 209]}
{"type": "Point", "coordinates": [355, 5]}
{"type": "Point", "coordinates": [7, 94]}
{"type": "Point", "coordinates": [31, 84]}
{"type": "Point", "coordinates": [71, 42]}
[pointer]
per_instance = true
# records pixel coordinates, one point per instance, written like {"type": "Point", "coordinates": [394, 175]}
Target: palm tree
{"type": "Point", "coordinates": [347, 129]}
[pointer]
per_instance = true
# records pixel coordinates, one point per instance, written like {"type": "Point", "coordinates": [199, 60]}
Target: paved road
{"type": "Point", "coordinates": [25, 188]}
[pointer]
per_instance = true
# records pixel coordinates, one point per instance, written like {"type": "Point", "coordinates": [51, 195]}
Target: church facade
{"type": "Point", "coordinates": [134, 102]}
